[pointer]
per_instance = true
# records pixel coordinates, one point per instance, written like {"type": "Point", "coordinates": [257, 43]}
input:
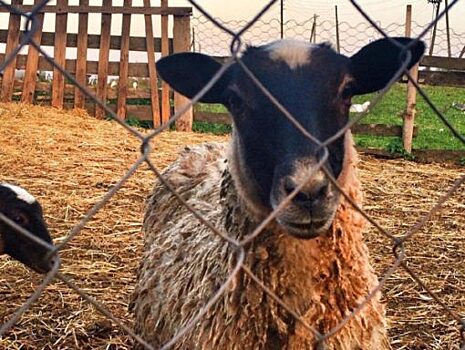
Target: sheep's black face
{"type": "Point", "coordinates": [271, 157]}
{"type": "Point", "coordinates": [24, 210]}
{"type": "Point", "coordinates": [312, 83]}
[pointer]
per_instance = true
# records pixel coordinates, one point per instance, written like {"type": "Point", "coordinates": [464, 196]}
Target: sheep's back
{"type": "Point", "coordinates": [184, 262]}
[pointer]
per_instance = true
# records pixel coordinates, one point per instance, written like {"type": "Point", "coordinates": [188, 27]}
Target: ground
{"type": "Point", "coordinates": [70, 160]}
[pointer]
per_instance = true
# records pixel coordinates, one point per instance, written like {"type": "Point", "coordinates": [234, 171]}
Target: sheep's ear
{"type": "Point", "coordinates": [376, 63]}
{"type": "Point", "coordinates": [188, 73]}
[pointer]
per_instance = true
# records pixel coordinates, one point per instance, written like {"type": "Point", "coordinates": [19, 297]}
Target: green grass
{"type": "Point", "coordinates": [432, 134]}
{"type": "Point", "coordinates": [211, 128]}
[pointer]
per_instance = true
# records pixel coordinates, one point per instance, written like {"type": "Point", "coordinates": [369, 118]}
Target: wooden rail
{"type": "Point", "coordinates": [57, 92]}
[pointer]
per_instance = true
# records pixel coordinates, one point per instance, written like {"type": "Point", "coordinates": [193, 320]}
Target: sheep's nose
{"type": "Point", "coordinates": [310, 194]}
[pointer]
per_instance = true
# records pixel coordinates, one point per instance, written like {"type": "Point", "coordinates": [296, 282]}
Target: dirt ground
{"type": "Point", "coordinates": [70, 160]}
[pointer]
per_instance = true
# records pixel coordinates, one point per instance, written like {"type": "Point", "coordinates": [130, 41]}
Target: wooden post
{"type": "Point", "coordinates": [104, 55]}
{"type": "Point", "coordinates": [58, 83]}
{"type": "Point", "coordinates": [449, 51]}
{"type": "Point", "coordinates": [124, 64]}
{"type": "Point", "coordinates": [338, 44]}
{"type": "Point", "coordinates": [165, 89]}
{"type": "Point", "coordinates": [32, 63]}
{"type": "Point", "coordinates": [462, 53]}
{"type": "Point", "coordinates": [155, 101]}
{"type": "Point", "coordinates": [81, 61]}
{"type": "Point", "coordinates": [314, 32]}
{"type": "Point", "coordinates": [11, 44]}
{"type": "Point", "coordinates": [409, 115]}
{"type": "Point", "coordinates": [181, 41]}
{"type": "Point", "coordinates": [433, 36]}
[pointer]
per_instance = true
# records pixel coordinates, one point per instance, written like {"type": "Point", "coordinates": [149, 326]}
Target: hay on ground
{"type": "Point", "coordinates": [69, 160]}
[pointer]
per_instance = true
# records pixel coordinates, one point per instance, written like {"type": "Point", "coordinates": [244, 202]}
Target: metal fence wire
{"type": "Point", "coordinates": [348, 36]}
{"type": "Point", "coordinates": [398, 242]}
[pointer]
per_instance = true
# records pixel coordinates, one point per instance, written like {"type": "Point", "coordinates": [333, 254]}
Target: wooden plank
{"type": "Point", "coordinates": [104, 55]}
{"type": "Point", "coordinates": [81, 62]}
{"type": "Point", "coordinates": [360, 129]}
{"type": "Point", "coordinates": [140, 112]}
{"type": "Point", "coordinates": [182, 41]}
{"type": "Point", "coordinates": [135, 69]}
{"type": "Point", "coordinates": [124, 63]}
{"type": "Point", "coordinates": [152, 70]}
{"type": "Point", "coordinates": [30, 75]}
{"type": "Point", "coordinates": [420, 156]}
{"type": "Point", "coordinates": [165, 89]}
{"type": "Point", "coordinates": [93, 41]}
{"type": "Point", "coordinates": [449, 63]}
{"type": "Point", "coordinates": [12, 41]}
{"type": "Point", "coordinates": [58, 83]}
{"type": "Point", "coordinates": [112, 94]}
{"type": "Point", "coordinates": [380, 130]}
{"type": "Point", "coordinates": [442, 78]}
{"type": "Point", "coordinates": [65, 9]}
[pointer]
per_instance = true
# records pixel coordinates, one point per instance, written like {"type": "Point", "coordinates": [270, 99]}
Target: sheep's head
{"type": "Point", "coordinates": [271, 157]}
{"type": "Point", "coordinates": [22, 208]}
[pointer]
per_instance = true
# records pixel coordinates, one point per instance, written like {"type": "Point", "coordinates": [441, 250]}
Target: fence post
{"type": "Point", "coordinates": [32, 64]}
{"type": "Point", "coordinates": [409, 115]}
{"type": "Point", "coordinates": [338, 44]}
{"type": "Point", "coordinates": [58, 83]}
{"type": "Point", "coordinates": [103, 60]}
{"type": "Point", "coordinates": [449, 52]}
{"type": "Point", "coordinates": [165, 51]}
{"type": "Point", "coordinates": [433, 36]}
{"type": "Point", "coordinates": [81, 59]}
{"type": "Point", "coordinates": [154, 100]}
{"type": "Point", "coordinates": [11, 44]}
{"type": "Point", "coordinates": [124, 64]}
{"type": "Point", "coordinates": [181, 42]}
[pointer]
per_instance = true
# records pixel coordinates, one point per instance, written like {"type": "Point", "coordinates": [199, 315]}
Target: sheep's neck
{"type": "Point", "coordinates": [321, 279]}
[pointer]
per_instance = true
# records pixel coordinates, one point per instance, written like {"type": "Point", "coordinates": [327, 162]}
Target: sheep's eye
{"type": "Point", "coordinates": [20, 218]}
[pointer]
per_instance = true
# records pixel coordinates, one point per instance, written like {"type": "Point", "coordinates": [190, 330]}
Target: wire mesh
{"type": "Point", "coordinates": [236, 34]}
{"type": "Point", "coordinates": [210, 39]}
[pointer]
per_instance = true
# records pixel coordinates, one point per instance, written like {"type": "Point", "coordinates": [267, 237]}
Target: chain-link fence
{"type": "Point", "coordinates": [236, 38]}
{"type": "Point", "coordinates": [349, 37]}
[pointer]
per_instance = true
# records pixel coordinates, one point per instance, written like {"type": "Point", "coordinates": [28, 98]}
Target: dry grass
{"type": "Point", "coordinates": [69, 161]}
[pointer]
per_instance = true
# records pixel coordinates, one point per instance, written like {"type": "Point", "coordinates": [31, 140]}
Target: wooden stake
{"type": "Point", "coordinates": [338, 46]}
{"type": "Point", "coordinates": [181, 43]}
{"type": "Point", "coordinates": [165, 89]}
{"type": "Point", "coordinates": [409, 115]}
{"type": "Point", "coordinates": [104, 55]}
{"type": "Point", "coordinates": [155, 101]}
{"type": "Point", "coordinates": [81, 61]}
{"type": "Point", "coordinates": [12, 41]}
{"type": "Point", "coordinates": [449, 51]}
{"type": "Point", "coordinates": [32, 64]}
{"type": "Point", "coordinates": [124, 64]}
{"type": "Point", "coordinates": [58, 83]}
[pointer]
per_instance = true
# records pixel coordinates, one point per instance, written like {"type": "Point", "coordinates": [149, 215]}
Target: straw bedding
{"type": "Point", "coordinates": [69, 160]}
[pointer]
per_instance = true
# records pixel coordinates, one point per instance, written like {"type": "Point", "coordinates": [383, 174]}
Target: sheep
{"type": "Point", "coordinates": [312, 255]}
{"type": "Point", "coordinates": [21, 207]}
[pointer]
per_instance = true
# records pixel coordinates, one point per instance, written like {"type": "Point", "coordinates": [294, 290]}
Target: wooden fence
{"type": "Point", "coordinates": [155, 107]}
{"type": "Point", "coordinates": [60, 94]}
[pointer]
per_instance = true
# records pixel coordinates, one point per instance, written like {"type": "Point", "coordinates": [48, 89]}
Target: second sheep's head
{"type": "Point", "coordinates": [19, 206]}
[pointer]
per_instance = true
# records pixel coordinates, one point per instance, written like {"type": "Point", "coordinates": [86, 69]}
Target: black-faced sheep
{"type": "Point", "coordinates": [21, 207]}
{"type": "Point", "coordinates": [312, 256]}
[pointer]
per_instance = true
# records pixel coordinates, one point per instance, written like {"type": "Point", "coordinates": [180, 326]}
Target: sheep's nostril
{"type": "Point", "coordinates": [288, 186]}
{"type": "Point", "coordinates": [309, 195]}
